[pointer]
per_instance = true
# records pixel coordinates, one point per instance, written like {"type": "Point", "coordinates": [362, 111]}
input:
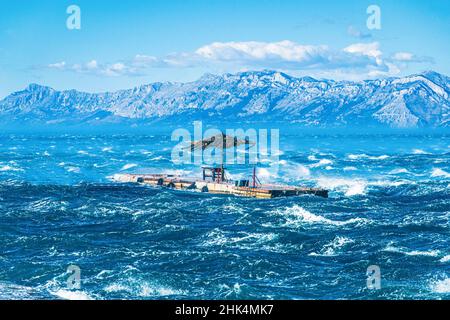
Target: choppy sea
{"type": "Point", "coordinates": [389, 206]}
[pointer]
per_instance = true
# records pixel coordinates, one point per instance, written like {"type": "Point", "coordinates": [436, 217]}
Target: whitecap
{"type": "Point", "coordinates": [365, 156]}
{"type": "Point", "coordinates": [295, 171]}
{"type": "Point", "coordinates": [445, 259]}
{"type": "Point", "coordinates": [107, 149]}
{"type": "Point", "coordinates": [296, 214]}
{"type": "Point", "coordinates": [143, 289]}
{"type": "Point", "coordinates": [356, 156]}
{"type": "Point", "coordinates": [419, 151]}
{"type": "Point", "coordinates": [333, 248]}
{"type": "Point", "coordinates": [158, 158]}
{"type": "Point", "coordinates": [399, 170]}
{"type": "Point", "coordinates": [387, 183]}
{"type": "Point", "coordinates": [350, 168]}
{"type": "Point", "coordinates": [265, 174]}
{"type": "Point", "coordinates": [9, 168]}
{"type": "Point", "coordinates": [218, 237]}
{"type": "Point", "coordinates": [350, 187]}
{"type": "Point", "coordinates": [322, 162]}
{"type": "Point", "coordinates": [71, 295]}
{"type": "Point", "coordinates": [440, 173]}
{"type": "Point", "coordinates": [430, 253]}
{"type": "Point", "coordinates": [128, 166]}
{"type": "Point", "coordinates": [441, 286]}
{"type": "Point", "coordinates": [73, 169]}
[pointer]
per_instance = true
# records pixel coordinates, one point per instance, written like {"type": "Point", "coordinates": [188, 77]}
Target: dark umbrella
{"type": "Point", "coordinates": [220, 141]}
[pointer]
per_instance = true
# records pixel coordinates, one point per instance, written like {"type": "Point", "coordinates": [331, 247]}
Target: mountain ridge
{"type": "Point", "coordinates": [418, 100]}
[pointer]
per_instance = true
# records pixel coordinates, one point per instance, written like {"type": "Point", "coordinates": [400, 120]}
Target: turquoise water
{"type": "Point", "coordinates": [389, 206]}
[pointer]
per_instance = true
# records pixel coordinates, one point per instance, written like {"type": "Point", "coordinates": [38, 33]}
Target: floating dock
{"type": "Point", "coordinates": [218, 185]}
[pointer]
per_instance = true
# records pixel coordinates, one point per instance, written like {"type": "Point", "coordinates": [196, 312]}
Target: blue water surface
{"type": "Point", "coordinates": [389, 206]}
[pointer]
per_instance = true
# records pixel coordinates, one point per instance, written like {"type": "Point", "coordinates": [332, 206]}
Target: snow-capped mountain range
{"type": "Point", "coordinates": [420, 100]}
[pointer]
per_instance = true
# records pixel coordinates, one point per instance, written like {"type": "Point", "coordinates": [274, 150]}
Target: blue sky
{"type": "Point", "coordinates": [128, 43]}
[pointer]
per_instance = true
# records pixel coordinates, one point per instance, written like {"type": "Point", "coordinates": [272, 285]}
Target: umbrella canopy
{"type": "Point", "coordinates": [220, 141]}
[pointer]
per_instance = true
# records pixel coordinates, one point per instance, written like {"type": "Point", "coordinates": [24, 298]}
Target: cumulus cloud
{"type": "Point", "coordinates": [286, 51]}
{"type": "Point", "coordinates": [136, 66]}
{"type": "Point", "coordinates": [408, 57]}
{"type": "Point", "coordinates": [58, 65]}
{"type": "Point", "coordinates": [365, 59]}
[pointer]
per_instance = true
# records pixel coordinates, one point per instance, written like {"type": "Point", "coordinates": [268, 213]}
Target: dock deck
{"type": "Point", "coordinates": [263, 191]}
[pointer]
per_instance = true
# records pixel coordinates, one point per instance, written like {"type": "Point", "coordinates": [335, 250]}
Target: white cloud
{"type": "Point", "coordinates": [408, 57]}
{"type": "Point", "coordinates": [403, 56]}
{"type": "Point", "coordinates": [358, 60]}
{"type": "Point", "coordinates": [92, 65]}
{"type": "Point", "coordinates": [371, 49]}
{"type": "Point", "coordinates": [58, 65]}
{"type": "Point", "coordinates": [287, 51]}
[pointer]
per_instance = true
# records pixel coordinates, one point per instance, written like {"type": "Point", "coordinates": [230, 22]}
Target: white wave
{"type": "Point", "coordinates": [350, 168]}
{"type": "Point", "coordinates": [73, 169]}
{"type": "Point", "coordinates": [440, 173]}
{"type": "Point", "coordinates": [445, 259]}
{"type": "Point", "coordinates": [83, 152]}
{"type": "Point", "coordinates": [419, 151]}
{"type": "Point", "coordinates": [399, 170]}
{"type": "Point", "coordinates": [218, 237]}
{"type": "Point", "coordinates": [383, 157]}
{"type": "Point", "coordinates": [441, 286]}
{"type": "Point", "coordinates": [107, 149]}
{"type": "Point", "coordinates": [297, 214]}
{"type": "Point", "coordinates": [430, 253]}
{"type": "Point", "coordinates": [128, 166]}
{"type": "Point", "coordinates": [296, 171]}
{"type": "Point", "coordinates": [365, 156]}
{"type": "Point", "coordinates": [321, 163]}
{"type": "Point", "coordinates": [96, 165]}
{"type": "Point", "coordinates": [350, 187]}
{"type": "Point", "coordinates": [143, 289]}
{"type": "Point", "coordinates": [287, 172]}
{"type": "Point", "coordinates": [9, 168]}
{"type": "Point", "coordinates": [312, 158]}
{"type": "Point", "coordinates": [356, 156]}
{"type": "Point", "coordinates": [158, 158]}
{"type": "Point", "coordinates": [388, 183]}
{"type": "Point", "coordinates": [71, 295]}
{"type": "Point", "coordinates": [11, 291]}
{"type": "Point", "coordinates": [332, 248]}
{"type": "Point", "coordinates": [265, 174]}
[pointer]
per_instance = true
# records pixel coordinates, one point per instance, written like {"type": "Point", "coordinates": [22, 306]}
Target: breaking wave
{"type": "Point", "coordinates": [297, 215]}
{"type": "Point", "coordinates": [441, 286]}
{"type": "Point", "coordinates": [429, 253]}
{"type": "Point", "coordinates": [440, 173]}
{"type": "Point", "coordinates": [350, 187]}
